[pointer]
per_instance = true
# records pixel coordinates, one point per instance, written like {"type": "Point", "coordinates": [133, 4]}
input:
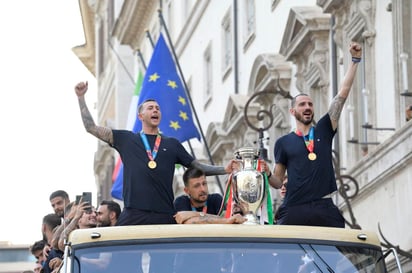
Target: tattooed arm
{"type": "Point", "coordinates": [338, 101]}
{"type": "Point", "coordinates": [102, 133]}
{"type": "Point", "coordinates": [195, 217]}
{"type": "Point", "coordinates": [214, 170]}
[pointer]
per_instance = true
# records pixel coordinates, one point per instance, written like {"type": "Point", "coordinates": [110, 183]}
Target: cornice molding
{"type": "Point", "coordinates": [133, 22]}
{"type": "Point", "coordinates": [305, 42]}
{"type": "Point", "coordinates": [266, 70]}
{"type": "Point", "coordinates": [86, 52]}
{"type": "Point", "coordinates": [302, 24]}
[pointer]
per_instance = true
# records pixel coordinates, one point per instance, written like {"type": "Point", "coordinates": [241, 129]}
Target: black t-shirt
{"type": "Point", "coordinates": [307, 180]}
{"type": "Point", "coordinates": [214, 201]}
{"type": "Point", "coordinates": [53, 253]}
{"type": "Point", "coordinates": [145, 188]}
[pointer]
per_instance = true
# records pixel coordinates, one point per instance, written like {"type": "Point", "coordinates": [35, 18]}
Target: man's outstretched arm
{"type": "Point", "coordinates": [212, 169]}
{"type": "Point", "coordinates": [338, 101]}
{"type": "Point", "coordinates": [102, 133]}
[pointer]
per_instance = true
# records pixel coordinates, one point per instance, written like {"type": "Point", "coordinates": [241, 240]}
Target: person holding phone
{"type": "Point", "coordinates": [149, 160]}
{"type": "Point", "coordinates": [59, 200]}
{"type": "Point", "coordinates": [80, 216]}
{"type": "Point", "coordinates": [87, 198]}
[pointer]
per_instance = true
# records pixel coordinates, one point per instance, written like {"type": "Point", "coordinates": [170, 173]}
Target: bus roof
{"type": "Point", "coordinates": [210, 231]}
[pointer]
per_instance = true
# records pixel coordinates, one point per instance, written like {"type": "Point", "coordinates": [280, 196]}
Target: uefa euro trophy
{"type": "Point", "coordinates": [248, 184]}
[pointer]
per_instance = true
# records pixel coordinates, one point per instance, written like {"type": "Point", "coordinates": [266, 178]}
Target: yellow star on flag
{"type": "Point", "coordinates": [183, 115]}
{"type": "Point", "coordinates": [153, 77]}
{"type": "Point", "coordinates": [182, 100]}
{"type": "Point", "coordinates": [172, 84]}
{"type": "Point", "coordinates": [174, 124]}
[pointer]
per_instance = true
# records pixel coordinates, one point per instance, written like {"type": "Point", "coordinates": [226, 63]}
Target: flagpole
{"type": "Point", "coordinates": [187, 93]}
{"type": "Point", "coordinates": [139, 54]}
{"type": "Point", "coordinates": [150, 38]}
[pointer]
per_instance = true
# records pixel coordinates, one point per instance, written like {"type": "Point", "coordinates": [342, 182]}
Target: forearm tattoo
{"type": "Point", "coordinates": [100, 132]}
{"type": "Point", "coordinates": [207, 219]}
{"type": "Point", "coordinates": [336, 108]}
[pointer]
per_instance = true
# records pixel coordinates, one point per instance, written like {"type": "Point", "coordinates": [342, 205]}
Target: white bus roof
{"type": "Point", "coordinates": [187, 231]}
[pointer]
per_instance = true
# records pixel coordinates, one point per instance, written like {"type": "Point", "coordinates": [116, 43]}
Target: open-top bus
{"type": "Point", "coordinates": [223, 248]}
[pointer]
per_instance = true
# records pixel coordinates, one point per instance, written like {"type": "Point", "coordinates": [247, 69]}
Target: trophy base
{"type": "Point", "coordinates": [251, 219]}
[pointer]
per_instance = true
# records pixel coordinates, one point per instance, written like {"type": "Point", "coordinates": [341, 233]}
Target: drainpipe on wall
{"type": "Point", "coordinates": [235, 44]}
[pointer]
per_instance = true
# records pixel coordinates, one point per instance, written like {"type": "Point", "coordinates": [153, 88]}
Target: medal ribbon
{"type": "Point", "coordinates": [226, 207]}
{"type": "Point", "coordinates": [269, 205]}
{"type": "Point", "coordinates": [310, 144]}
{"type": "Point", "coordinates": [151, 154]}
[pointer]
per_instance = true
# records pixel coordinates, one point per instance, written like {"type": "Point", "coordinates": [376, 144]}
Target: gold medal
{"type": "Point", "coordinates": [152, 164]}
{"type": "Point", "coordinates": [312, 156]}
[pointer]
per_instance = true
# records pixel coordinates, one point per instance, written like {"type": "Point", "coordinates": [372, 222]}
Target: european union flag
{"type": "Point", "coordinates": [162, 83]}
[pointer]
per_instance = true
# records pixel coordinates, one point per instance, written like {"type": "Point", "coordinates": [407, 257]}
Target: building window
{"type": "Point", "coordinates": [208, 79]}
{"type": "Point", "coordinates": [227, 44]}
{"type": "Point", "coordinates": [275, 4]}
{"type": "Point", "coordinates": [250, 18]}
{"type": "Point", "coordinates": [186, 9]}
{"type": "Point", "coordinates": [110, 15]}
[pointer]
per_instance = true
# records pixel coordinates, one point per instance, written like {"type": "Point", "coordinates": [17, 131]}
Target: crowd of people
{"type": "Point", "coordinates": [149, 160]}
{"type": "Point", "coordinates": [68, 216]}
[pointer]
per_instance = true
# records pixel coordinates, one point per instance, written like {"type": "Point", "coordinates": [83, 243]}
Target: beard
{"type": "Point", "coordinates": [104, 223]}
{"type": "Point", "coordinates": [304, 120]}
{"type": "Point", "coordinates": [200, 199]}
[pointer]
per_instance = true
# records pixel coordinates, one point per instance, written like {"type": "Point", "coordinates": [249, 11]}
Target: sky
{"type": "Point", "coordinates": [44, 144]}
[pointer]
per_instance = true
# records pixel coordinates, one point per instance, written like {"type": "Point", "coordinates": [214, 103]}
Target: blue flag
{"type": "Point", "coordinates": [163, 84]}
{"type": "Point", "coordinates": [117, 187]}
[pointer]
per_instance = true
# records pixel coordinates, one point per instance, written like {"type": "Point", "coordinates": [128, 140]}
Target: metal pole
{"type": "Point", "coordinates": [139, 54]}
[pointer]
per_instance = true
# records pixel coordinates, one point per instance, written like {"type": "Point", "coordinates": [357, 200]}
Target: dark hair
{"type": "Point", "coordinates": [191, 173]}
{"type": "Point", "coordinates": [38, 245]}
{"type": "Point", "coordinates": [112, 206]}
{"type": "Point", "coordinates": [59, 193]}
{"type": "Point", "coordinates": [140, 108]}
{"type": "Point", "coordinates": [295, 97]}
{"type": "Point", "coordinates": [52, 220]}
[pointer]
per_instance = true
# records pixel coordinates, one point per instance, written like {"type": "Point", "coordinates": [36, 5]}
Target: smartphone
{"type": "Point", "coordinates": [78, 197]}
{"type": "Point", "coordinates": [87, 197]}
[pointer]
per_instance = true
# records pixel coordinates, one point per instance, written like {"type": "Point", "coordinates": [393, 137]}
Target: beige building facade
{"type": "Point", "coordinates": [241, 58]}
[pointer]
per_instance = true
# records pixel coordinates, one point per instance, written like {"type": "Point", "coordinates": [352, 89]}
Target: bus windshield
{"type": "Point", "coordinates": [236, 257]}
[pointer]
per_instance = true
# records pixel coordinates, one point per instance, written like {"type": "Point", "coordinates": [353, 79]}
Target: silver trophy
{"type": "Point", "coordinates": [248, 184]}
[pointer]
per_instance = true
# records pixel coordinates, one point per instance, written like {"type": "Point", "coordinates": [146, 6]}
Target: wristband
{"type": "Point", "coordinates": [356, 59]}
